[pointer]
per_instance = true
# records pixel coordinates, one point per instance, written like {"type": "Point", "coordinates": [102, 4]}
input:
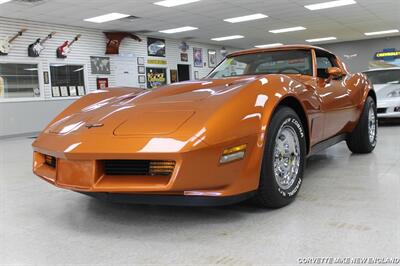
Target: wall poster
{"type": "Point", "coordinates": [156, 77]}
{"type": "Point", "coordinates": [100, 65]}
{"type": "Point", "coordinates": [155, 47]}
{"type": "Point", "coordinates": [198, 57]}
{"type": "Point", "coordinates": [102, 83]}
{"type": "Point", "coordinates": [212, 58]}
{"type": "Point", "coordinates": [184, 57]}
{"type": "Point", "coordinates": [173, 75]}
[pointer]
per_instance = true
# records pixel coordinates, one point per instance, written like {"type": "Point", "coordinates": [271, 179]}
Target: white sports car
{"type": "Point", "coordinates": [386, 82]}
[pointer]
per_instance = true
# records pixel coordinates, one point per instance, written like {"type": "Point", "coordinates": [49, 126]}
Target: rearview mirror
{"type": "Point", "coordinates": [335, 72]}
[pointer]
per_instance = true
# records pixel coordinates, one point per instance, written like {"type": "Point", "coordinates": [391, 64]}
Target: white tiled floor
{"type": "Point", "coordinates": [349, 205]}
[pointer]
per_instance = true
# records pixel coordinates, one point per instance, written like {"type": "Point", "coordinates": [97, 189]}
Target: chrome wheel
{"type": "Point", "coordinates": [371, 124]}
{"type": "Point", "coordinates": [287, 154]}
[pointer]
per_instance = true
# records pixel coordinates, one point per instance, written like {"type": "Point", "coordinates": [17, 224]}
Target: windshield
{"type": "Point", "coordinates": [273, 62]}
{"type": "Point", "coordinates": [384, 76]}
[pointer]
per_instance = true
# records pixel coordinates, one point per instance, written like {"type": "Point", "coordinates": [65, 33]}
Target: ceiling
{"type": "Point", "coordinates": [346, 23]}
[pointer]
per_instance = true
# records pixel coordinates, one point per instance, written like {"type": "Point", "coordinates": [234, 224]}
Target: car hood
{"type": "Point", "coordinates": [157, 112]}
{"type": "Point", "coordinates": [382, 90]}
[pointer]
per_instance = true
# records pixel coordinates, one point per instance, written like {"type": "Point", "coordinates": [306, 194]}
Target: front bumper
{"type": "Point", "coordinates": [389, 108]}
{"type": "Point", "coordinates": [198, 178]}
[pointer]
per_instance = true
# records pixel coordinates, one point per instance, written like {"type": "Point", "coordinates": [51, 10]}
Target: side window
{"type": "Point", "coordinates": [323, 63]}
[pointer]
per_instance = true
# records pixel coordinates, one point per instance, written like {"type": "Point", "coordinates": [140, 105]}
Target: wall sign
{"type": "Point", "coordinates": [389, 54]}
{"type": "Point", "coordinates": [156, 62]}
{"type": "Point", "coordinates": [388, 57]}
{"type": "Point", "coordinates": [156, 77]}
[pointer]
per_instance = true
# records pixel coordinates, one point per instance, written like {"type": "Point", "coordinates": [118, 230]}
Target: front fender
{"type": "Point", "coordinates": [249, 111]}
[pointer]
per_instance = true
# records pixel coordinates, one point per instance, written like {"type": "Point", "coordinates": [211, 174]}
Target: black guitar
{"type": "Point", "coordinates": [37, 47]}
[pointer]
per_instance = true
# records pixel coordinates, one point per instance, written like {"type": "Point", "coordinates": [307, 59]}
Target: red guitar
{"type": "Point", "coordinates": [64, 49]}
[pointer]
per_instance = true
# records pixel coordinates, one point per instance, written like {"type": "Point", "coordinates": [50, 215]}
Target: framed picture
{"type": "Point", "coordinates": [141, 70]}
{"type": "Point", "coordinates": [140, 61]}
{"type": "Point", "coordinates": [81, 90]}
{"type": "Point", "coordinates": [102, 83]}
{"type": "Point", "coordinates": [155, 47]}
{"type": "Point", "coordinates": [196, 75]}
{"type": "Point", "coordinates": [173, 75]}
{"type": "Point", "coordinates": [55, 91]}
{"type": "Point", "coordinates": [46, 77]}
{"type": "Point", "coordinates": [100, 65]}
{"type": "Point", "coordinates": [156, 77]}
{"type": "Point", "coordinates": [212, 58]}
{"type": "Point", "coordinates": [72, 91]}
{"type": "Point", "coordinates": [64, 91]}
{"type": "Point", "coordinates": [198, 57]}
{"type": "Point", "coordinates": [184, 57]}
{"type": "Point", "coordinates": [142, 79]}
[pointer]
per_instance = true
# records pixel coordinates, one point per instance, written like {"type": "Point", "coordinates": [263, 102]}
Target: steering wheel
{"type": "Point", "coordinates": [283, 70]}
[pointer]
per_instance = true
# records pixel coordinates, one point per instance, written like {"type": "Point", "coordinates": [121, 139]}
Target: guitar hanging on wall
{"type": "Point", "coordinates": [5, 44]}
{"type": "Point", "coordinates": [37, 47]}
{"type": "Point", "coordinates": [64, 49]}
{"type": "Point", "coordinates": [114, 40]}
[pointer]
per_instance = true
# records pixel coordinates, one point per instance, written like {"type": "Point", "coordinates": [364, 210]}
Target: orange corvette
{"type": "Point", "coordinates": [242, 132]}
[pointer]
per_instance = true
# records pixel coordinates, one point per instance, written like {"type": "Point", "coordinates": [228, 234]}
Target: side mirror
{"type": "Point", "coordinates": [335, 72]}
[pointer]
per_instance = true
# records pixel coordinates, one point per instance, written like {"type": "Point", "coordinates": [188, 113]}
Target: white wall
{"type": "Point", "coordinates": [30, 116]}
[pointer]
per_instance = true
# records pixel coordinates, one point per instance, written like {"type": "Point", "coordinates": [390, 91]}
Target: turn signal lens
{"type": "Point", "coordinates": [233, 154]}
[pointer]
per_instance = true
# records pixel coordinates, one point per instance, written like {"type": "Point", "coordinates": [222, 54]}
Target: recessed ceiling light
{"type": "Point", "coordinates": [246, 18]}
{"type": "Point", "coordinates": [321, 39]}
{"type": "Point", "coordinates": [226, 38]}
{"type": "Point", "coordinates": [330, 4]}
{"type": "Point", "coordinates": [381, 32]}
{"type": "Point", "coordinates": [171, 3]}
{"type": "Point", "coordinates": [287, 29]}
{"type": "Point", "coordinates": [176, 30]}
{"type": "Point", "coordinates": [268, 45]}
{"type": "Point", "coordinates": [106, 17]}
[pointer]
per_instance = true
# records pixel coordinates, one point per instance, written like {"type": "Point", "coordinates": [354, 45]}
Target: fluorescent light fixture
{"type": "Point", "coordinates": [288, 29]}
{"type": "Point", "coordinates": [106, 17]}
{"type": "Point", "coordinates": [268, 45]}
{"type": "Point", "coordinates": [226, 38]}
{"type": "Point", "coordinates": [381, 32]}
{"type": "Point", "coordinates": [4, 1]}
{"type": "Point", "coordinates": [171, 3]}
{"type": "Point", "coordinates": [330, 4]}
{"type": "Point", "coordinates": [181, 29]}
{"type": "Point", "coordinates": [321, 39]}
{"type": "Point", "coordinates": [246, 18]}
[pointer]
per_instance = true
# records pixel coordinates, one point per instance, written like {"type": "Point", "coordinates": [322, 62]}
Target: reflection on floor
{"type": "Point", "coordinates": [349, 206]}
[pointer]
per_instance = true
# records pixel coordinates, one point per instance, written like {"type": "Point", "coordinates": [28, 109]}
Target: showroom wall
{"type": "Point", "coordinates": [36, 112]}
{"type": "Point", "coordinates": [358, 55]}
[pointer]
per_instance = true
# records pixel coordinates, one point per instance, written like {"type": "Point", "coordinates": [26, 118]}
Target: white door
{"type": "Point", "coordinates": [125, 73]}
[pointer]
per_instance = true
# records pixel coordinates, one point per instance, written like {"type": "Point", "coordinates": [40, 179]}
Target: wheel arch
{"type": "Point", "coordinates": [295, 104]}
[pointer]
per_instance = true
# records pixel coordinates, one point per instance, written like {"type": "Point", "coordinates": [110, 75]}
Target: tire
{"type": "Point", "coordinates": [271, 192]}
{"type": "Point", "coordinates": [360, 140]}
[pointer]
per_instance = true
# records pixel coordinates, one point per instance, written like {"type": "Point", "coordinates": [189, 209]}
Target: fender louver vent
{"type": "Point", "coordinates": [139, 167]}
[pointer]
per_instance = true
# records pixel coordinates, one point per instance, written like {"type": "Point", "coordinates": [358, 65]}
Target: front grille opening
{"type": "Point", "coordinates": [381, 110]}
{"type": "Point", "coordinates": [50, 161]}
{"type": "Point", "coordinates": [139, 167]}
